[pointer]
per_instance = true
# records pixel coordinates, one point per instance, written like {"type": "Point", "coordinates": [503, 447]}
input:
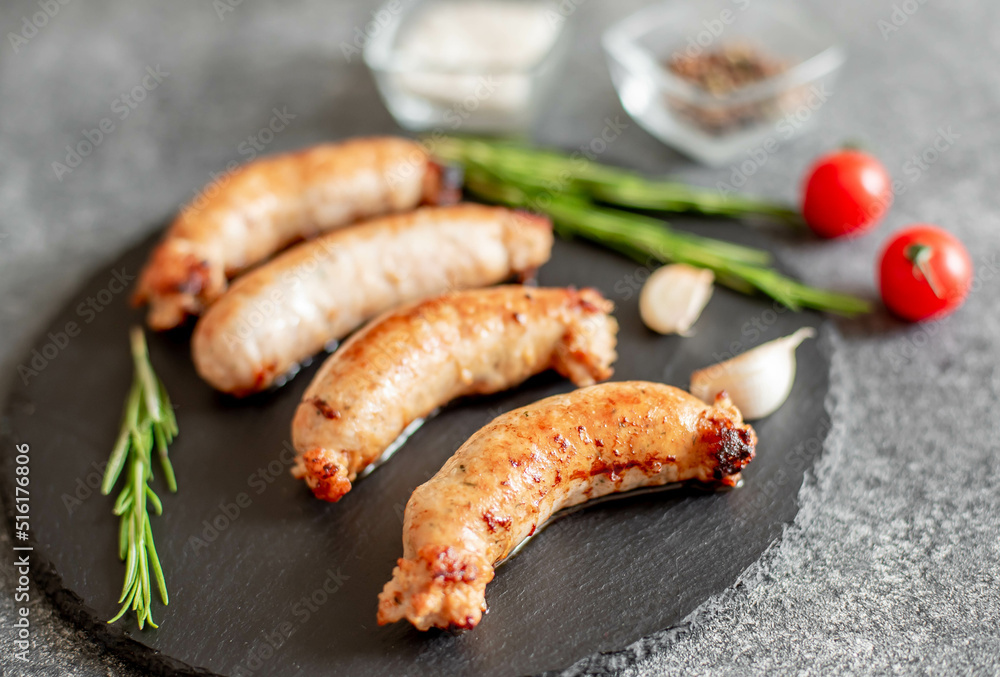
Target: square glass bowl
{"type": "Point", "coordinates": [429, 80]}
{"type": "Point", "coordinates": [715, 128]}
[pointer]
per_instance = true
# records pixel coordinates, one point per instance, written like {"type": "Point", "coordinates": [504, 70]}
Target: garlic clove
{"type": "Point", "coordinates": [757, 381]}
{"type": "Point", "coordinates": [674, 296]}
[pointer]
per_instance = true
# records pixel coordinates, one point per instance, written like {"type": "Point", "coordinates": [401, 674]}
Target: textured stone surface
{"type": "Point", "coordinates": [893, 561]}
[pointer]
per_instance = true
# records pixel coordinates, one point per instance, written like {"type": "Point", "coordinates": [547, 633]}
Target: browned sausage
{"type": "Point", "coordinates": [513, 474]}
{"type": "Point", "coordinates": [267, 205]}
{"type": "Point", "coordinates": [287, 310]}
{"type": "Point", "coordinates": [413, 360]}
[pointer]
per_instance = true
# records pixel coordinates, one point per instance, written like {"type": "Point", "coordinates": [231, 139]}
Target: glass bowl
{"type": "Point", "coordinates": [716, 127]}
{"type": "Point", "coordinates": [429, 81]}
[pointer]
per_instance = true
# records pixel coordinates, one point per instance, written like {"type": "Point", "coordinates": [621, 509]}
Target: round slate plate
{"type": "Point", "coordinates": [264, 579]}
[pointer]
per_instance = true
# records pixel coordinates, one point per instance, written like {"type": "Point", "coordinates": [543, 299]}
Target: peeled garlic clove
{"type": "Point", "coordinates": [674, 296]}
{"type": "Point", "coordinates": [758, 381]}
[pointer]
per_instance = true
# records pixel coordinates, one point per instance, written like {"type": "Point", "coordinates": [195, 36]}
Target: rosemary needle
{"type": "Point", "coordinates": [147, 422]}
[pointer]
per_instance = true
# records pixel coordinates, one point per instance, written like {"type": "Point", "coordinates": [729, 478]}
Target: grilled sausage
{"type": "Point", "coordinates": [513, 474]}
{"type": "Point", "coordinates": [287, 310]}
{"type": "Point", "coordinates": [261, 208]}
{"type": "Point", "coordinates": [411, 361]}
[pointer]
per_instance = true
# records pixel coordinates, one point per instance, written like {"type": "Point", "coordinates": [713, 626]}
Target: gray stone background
{"type": "Point", "coordinates": [893, 563]}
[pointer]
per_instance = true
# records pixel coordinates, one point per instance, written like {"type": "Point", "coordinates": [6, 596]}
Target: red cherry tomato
{"type": "Point", "coordinates": [846, 193]}
{"type": "Point", "coordinates": [925, 273]}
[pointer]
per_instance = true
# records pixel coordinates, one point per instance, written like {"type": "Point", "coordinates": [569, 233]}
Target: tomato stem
{"type": "Point", "coordinates": [920, 255]}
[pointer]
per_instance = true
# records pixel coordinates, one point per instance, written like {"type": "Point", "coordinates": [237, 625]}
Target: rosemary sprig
{"type": "Point", "coordinates": [148, 423]}
{"type": "Point", "coordinates": [742, 269]}
{"type": "Point", "coordinates": [574, 215]}
{"type": "Point", "coordinates": [553, 171]}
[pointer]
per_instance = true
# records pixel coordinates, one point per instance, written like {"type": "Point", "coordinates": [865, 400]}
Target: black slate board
{"type": "Point", "coordinates": [288, 587]}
